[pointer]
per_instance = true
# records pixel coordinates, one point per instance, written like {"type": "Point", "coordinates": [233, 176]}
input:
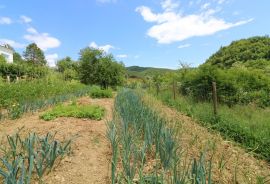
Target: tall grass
{"type": "Point", "coordinates": [247, 125]}
{"type": "Point", "coordinates": [147, 149]}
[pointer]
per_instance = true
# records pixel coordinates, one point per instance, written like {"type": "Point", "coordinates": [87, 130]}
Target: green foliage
{"type": "Point", "coordinates": [97, 92]}
{"type": "Point", "coordinates": [234, 86]}
{"type": "Point", "coordinates": [98, 68]}
{"type": "Point", "coordinates": [142, 72]}
{"type": "Point", "coordinates": [22, 69]}
{"type": "Point", "coordinates": [247, 125]}
{"type": "Point", "coordinates": [17, 58]}
{"type": "Point", "coordinates": [242, 51]}
{"type": "Point", "coordinates": [33, 54]}
{"type": "Point", "coordinates": [76, 111]}
{"type": "Point", "coordinates": [69, 68]}
{"type": "Point", "coordinates": [34, 155]}
{"type": "Point", "coordinates": [2, 59]}
{"type": "Point", "coordinates": [21, 97]}
{"type": "Point", "coordinates": [64, 64]}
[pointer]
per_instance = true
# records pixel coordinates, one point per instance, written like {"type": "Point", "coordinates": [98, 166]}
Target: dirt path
{"type": "Point", "coordinates": [230, 162]}
{"type": "Point", "coordinates": [90, 159]}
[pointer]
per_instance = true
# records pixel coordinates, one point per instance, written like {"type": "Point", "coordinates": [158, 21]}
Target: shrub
{"type": "Point", "coordinates": [97, 92]}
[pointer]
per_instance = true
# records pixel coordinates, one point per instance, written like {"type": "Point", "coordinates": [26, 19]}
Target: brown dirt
{"type": "Point", "coordinates": [231, 163]}
{"type": "Point", "coordinates": [89, 161]}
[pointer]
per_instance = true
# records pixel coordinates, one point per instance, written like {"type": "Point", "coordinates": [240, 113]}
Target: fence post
{"type": "Point", "coordinates": [8, 78]}
{"type": "Point", "coordinates": [157, 88]}
{"type": "Point", "coordinates": [17, 79]}
{"type": "Point", "coordinates": [214, 93]}
{"type": "Point", "coordinates": [174, 90]}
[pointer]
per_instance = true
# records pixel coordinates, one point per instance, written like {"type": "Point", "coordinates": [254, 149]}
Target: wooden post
{"type": "Point", "coordinates": [174, 90]}
{"type": "Point", "coordinates": [17, 79]}
{"type": "Point", "coordinates": [8, 78]}
{"type": "Point", "coordinates": [214, 93]}
{"type": "Point", "coordinates": [157, 86]}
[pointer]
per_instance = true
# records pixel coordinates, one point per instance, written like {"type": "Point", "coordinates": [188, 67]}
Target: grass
{"type": "Point", "coordinates": [97, 92]}
{"type": "Point", "coordinates": [247, 125]}
{"type": "Point", "coordinates": [76, 111]}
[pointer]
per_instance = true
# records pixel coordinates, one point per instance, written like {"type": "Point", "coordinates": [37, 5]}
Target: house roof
{"type": "Point", "coordinates": [5, 49]}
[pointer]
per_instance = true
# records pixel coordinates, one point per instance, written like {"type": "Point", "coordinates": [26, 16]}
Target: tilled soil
{"type": "Point", "coordinates": [89, 161]}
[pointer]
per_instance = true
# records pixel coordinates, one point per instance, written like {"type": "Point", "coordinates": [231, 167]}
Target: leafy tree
{"type": "Point", "coordinates": [17, 58]}
{"type": "Point", "coordinates": [33, 54]}
{"type": "Point", "coordinates": [2, 59]}
{"type": "Point", "coordinates": [96, 67]}
{"type": "Point", "coordinates": [64, 64]}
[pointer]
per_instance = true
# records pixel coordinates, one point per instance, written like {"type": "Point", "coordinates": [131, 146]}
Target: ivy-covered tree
{"type": "Point", "coordinates": [33, 54]}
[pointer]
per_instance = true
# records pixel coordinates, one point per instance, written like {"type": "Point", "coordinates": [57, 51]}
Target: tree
{"type": "Point", "coordinates": [64, 64]}
{"type": "Point", "coordinates": [96, 67]}
{"type": "Point", "coordinates": [17, 58]}
{"type": "Point", "coordinates": [2, 59]}
{"type": "Point", "coordinates": [33, 54]}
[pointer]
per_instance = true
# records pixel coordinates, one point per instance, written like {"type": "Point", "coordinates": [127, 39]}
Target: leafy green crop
{"type": "Point", "coordinates": [73, 110]}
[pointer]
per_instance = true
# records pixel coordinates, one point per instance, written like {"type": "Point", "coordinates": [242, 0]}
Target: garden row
{"type": "Point", "coordinates": [145, 150]}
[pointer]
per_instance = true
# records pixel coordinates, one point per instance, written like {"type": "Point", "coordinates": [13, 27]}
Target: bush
{"type": "Point", "coordinates": [74, 110]}
{"type": "Point", "coordinates": [97, 92]}
{"type": "Point", "coordinates": [235, 85]}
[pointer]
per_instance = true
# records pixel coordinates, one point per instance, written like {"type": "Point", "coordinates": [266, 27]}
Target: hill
{"type": "Point", "coordinates": [141, 72]}
{"type": "Point", "coordinates": [254, 51]}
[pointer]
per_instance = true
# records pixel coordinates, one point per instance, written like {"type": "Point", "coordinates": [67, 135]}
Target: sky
{"type": "Point", "coordinates": [156, 33]}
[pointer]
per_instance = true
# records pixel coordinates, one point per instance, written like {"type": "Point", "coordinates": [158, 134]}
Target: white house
{"type": "Point", "coordinates": [7, 53]}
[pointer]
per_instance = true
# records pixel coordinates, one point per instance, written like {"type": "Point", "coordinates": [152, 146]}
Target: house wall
{"type": "Point", "coordinates": [7, 55]}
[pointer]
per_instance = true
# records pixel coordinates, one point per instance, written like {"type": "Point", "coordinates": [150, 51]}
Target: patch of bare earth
{"type": "Point", "coordinates": [89, 161]}
{"type": "Point", "coordinates": [230, 162]}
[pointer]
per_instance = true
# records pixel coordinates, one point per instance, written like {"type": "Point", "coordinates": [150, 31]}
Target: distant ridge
{"type": "Point", "coordinates": [141, 72]}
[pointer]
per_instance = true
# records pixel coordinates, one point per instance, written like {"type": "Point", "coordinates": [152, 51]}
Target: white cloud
{"type": "Point", "coordinates": [32, 30]}
{"type": "Point", "coordinates": [5, 20]}
{"type": "Point", "coordinates": [171, 26]}
{"type": "Point", "coordinates": [169, 5]}
{"type": "Point", "coordinates": [221, 1]}
{"type": "Point", "coordinates": [184, 46]}
{"type": "Point", "coordinates": [25, 19]}
{"type": "Point", "coordinates": [52, 59]}
{"type": "Point", "coordinates": [106, 1]}
{"type": "Point", "coordinates": [43, 40]}
{"type": "Point", "coordinates": [122, 56]}
{"type": "Point", "coordinates": [205, 6]}
{"type": "Point", "coordinates": [12, 43]}
{"type": "Point", "coordinates": [105, 48]}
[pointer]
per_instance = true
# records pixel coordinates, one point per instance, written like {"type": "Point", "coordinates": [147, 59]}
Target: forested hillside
{"type": "Point", "coordinates": [140, 72]}
{"type": "Point", "coordinates": [251, 52]}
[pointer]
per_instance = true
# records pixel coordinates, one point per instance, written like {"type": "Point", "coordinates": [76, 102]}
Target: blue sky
{"type": "Point", "coordinates": [157, 33]}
